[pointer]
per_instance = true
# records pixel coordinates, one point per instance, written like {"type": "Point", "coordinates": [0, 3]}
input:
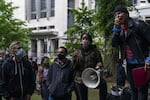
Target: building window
{"type": "Point", "coordinates": [43, 28]}
{"type": "Point", "coordinates": [52, 8]}
{"type": "Point", "coordinates": [33, 9]}
{"type": "Point", "coordinates": [70, 19]}
{"type": "Point", "coordinates": [43, 14]}
{"type": "Point", "coordinates": [45, 47]}
{"type": "Point", "coordinates": [33, 15]}
{"type": "Point", "coordinates": [51, 27]}
{"type": "Point", "coordinates": [134, 2]}
{"type": "Point", "coordinates": [71, 5]}
{"type": "Point", "coordinates": [33, 28]}
{"type": "Point", "coordinates": [43, 9]}
{"type": "Point", "coordinates": [148, 21]}
{"type": "Point", "coordinates": [43, 4]}
{"type": "Point", "coordinates": [142, 1]}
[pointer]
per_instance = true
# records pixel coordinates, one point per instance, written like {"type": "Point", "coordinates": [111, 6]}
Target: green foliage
{"type": "Point", "coordinates": [104, 16]}
{"type": "Point", "coordinates": [84, 23]}
{"type": "Point", "coordinates": [11, 29]}
{"type": "Point", "coordinates": [104, 11]}
{"type": "Point", "coordinates": [98, 23]}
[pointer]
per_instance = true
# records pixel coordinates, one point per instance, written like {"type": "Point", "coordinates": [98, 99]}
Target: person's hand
{"type": "Point", "coordinates": [11, 98]}
{"type": "Point", "coordinates": [117, 25]}
{"type": "Point", "coordinates": [117, 21]}
{"type": "Point", "coordinates": [28, 97]}
{"type": "Point", "coordinates": [147, 66]}
{"type": "Point", "coordinates": [147, 69]}
{"type": "Point", "coordinates": [98, 65]}
{"type": "Point", "coordinates": [147, 63]}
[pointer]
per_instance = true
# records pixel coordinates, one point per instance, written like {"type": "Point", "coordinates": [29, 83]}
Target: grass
{"type": "Point", "coordinates": [93, 93]}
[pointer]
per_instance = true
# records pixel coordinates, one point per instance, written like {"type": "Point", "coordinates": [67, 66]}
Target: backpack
{"type": "Point", "coordinates": [126, 94]}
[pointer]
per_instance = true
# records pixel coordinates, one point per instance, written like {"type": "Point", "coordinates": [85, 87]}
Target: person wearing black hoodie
{"type": "Point", "coordinates": [60, 77]}
{"type": "Point", "coordinates": [1, 62]}
{"type": "Point", "coordinates": [88, 56]}
{"type": "Point", "coordinates": [17, 75]}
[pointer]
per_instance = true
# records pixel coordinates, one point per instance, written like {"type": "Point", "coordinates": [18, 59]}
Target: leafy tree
{"type": "Point", "coordinates": [84, 23]}
{"type": "Point", "coordinates": [11, 29]}
{"type": "Point", "coordinates": [104, 17]}
{"type": "Point", "coordinates": [98, 23]}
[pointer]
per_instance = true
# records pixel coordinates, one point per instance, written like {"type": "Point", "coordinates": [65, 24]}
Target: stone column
{"type": "Point", "coordinates": [52, 46]}
{"type": "Point", "coordinates": [39, 50]}
{"type": "Point", "coordinates": [30, 49]}
{"type": "Point", "coordinates": [48, 47]}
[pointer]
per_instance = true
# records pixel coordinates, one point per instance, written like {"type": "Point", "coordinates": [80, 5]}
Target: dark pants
{"type": "Point", "coordinates": [64, 97]}
{"type": "Point", "coordinates": [0, 97]}
{"type": "Point", "coordinates": [121, 76]}
{"type": "Point", "coordinates": [81, 91]}
{"type": "Point", "coordinates": [137, 93]}
{"type": "Point", "coordinates": [45, 93]}
{"type": "Point", "coordinates": [103, 89]}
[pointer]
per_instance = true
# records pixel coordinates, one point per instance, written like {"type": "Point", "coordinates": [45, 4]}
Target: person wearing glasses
{"type": "Point", "coordinates": [60, 77]}
{"type": "Point", "coordinates": [18, 82]}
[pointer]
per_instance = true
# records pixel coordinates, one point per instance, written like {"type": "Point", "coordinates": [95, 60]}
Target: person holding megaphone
{"type": "Point", "coordinates": [87, 56]}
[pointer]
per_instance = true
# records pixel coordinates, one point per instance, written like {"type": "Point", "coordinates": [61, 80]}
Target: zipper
{"type": "Point", "coordinates": [21, 84]}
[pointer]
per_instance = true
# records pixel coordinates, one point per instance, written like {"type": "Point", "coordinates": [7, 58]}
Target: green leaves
{"type": "Point", "coordinates": [84, 23]}
{"type": "Point", "coordinates": [98, 22]}
{"type": "Point", "coordinates": [11, 29]}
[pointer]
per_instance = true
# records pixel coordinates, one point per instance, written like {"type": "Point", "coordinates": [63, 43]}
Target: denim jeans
{"type": "Point", "coordinates": [50, 98]}
{"type": "Point", "coordinates": [44, 91]}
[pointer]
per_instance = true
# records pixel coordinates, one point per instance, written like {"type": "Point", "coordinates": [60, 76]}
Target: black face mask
{"type": "Point", "coordinates": [61, 56]}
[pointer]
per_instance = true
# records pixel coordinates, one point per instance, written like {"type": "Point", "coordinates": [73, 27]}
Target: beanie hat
{"type": "Point", "coordinates": [120, 8]}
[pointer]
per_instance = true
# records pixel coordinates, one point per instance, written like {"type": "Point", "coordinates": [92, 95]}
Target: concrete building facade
{"type": "Point", "coordinates": [142, 9]}
{"type": "Point", "coordinates": [48, 20]}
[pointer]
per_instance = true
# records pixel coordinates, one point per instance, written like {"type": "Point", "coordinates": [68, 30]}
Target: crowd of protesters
{"type": "Point", "coordinates": [21, 76]}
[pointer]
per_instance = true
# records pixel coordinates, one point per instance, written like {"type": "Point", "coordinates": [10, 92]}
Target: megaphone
{"type": "Point", "coordinates": [91, 77]}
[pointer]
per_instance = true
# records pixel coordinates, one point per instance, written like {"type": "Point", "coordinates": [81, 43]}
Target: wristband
{"type": "Point", "coordinates": [116, 30]}
{"type": "Point", "coordinates": [147, 60]}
